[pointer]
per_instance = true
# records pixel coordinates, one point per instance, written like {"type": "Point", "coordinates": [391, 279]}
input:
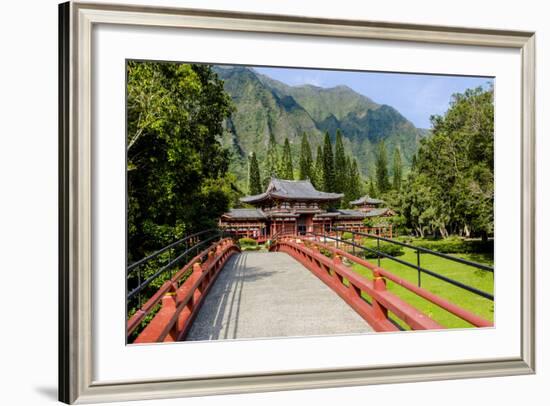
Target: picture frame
{"type": "Point", "coordinates": [76, 215]}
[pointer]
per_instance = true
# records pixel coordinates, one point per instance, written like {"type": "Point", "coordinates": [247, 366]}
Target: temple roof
{"type": "Point", "coordinates": [366, 200]}
{"type": "Point", "coordinates": [343, 214]}
{"type": "Point", "coordinates": [379, 212]}
{"type": "Point", "coordinates": [245, 214]}
{"type": "Point", "coordinates": [258, 214]}
{"type": "Point", "coordinates": [351, 213]}
{"type": "Point", "coordinates": [347, 213]}
{"type": "Point", "coordinates": [291, 190]}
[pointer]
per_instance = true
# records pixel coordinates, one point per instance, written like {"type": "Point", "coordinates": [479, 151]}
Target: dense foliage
{"type": "Point", "coordinates": [340, 164]}
{"type": "Point", "coordinates": [449, 190]}
{"type": "Point", "coordinates": [254, 179]}
{"type": "Point", "coordinates": [317, 178]}
{"type": "Point", "coordinates": [454, 245]}
{"type": "Point", "coordinates": [382, 174]}
{"type": "Point", "coordinates": [397, 170]}
{"type": "Point", "coordinates": [248, 244]}
{"type": "Point", "coordinates": [306, 160]}
{"type": "Point", "coordinates": [328, 175]}
{"type": "Point", "coordinates": [384, 247]}
{"type": "Point", "coordinates": [176, 166]}
{"type": "Point", "coordinates": [271, 160]}
{"type": "Point", "coordinates": [330, 172]}
{"type": "Point", "coordinates": [286, 170]}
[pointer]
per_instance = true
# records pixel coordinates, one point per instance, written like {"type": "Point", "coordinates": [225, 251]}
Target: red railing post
{"type": "Point", "coordinates": [337, 261]}
{"type": "Point", "coordinates": [379, 284]}
{"type": "Point", "coordinates": [156, 330]}
{"type": "Point", "coordinates": [197, 270]}
{"type": "Point", "coordinates": [169, 305]}
{"type": "Point", "coordinates": [211, 258]}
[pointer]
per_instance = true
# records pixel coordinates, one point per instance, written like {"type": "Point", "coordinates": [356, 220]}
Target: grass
{"type": "Point", "coordinates": [479, 279]}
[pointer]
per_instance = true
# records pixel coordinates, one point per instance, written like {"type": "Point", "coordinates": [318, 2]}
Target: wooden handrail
{"type": "Point", "coordinates": [458, 311]}
{"type": "Point", "coordinates": [381, 298]}
{"type": "Point", "coordinates": [175, 298]}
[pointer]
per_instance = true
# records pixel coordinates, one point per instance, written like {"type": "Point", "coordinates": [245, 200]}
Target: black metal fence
{"type": "Point", "coordinates": [145, 276]}
{"type": "Point", "coordinates": [379, 254]}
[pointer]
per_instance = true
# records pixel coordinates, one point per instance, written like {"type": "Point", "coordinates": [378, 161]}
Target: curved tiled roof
{"type": "Point", "coordinates": [245, 214]}
{"type": "Point", "coordinates": [347, 213]}
{"type": "Point", "coordinates": [366, 200]}
{"type": "Point", "coordinates": [352, 213]}
{"type": "Point", "coordinates": [379, 212]}
{"type": "Point", "coordinates": [291, 190]}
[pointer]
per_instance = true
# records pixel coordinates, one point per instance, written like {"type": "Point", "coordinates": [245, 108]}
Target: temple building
{"type": "Point", "coordinates": [292, 206]}
{"type": "Point", "coordinates": [372, 206]}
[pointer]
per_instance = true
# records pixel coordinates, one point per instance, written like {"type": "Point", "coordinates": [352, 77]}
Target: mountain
{"type": "Point", "coordinates": [266, 106]}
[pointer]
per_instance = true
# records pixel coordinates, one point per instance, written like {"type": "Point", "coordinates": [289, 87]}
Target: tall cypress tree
{"type": "Point", "coordinates": [254, 183]}
{"type": "Point", "coordinates": [271, 159]}
{"type": "Point", "coordinates": [340, 172]}
{"type": "Point", "coordinates": [346, 182]}
{"type": "Point", "coordinates": [382, 176]}
{"type": "Point", "coordinates": [317, 178]}
{"type": "Point", "coordinates": [371, 191]}
{"type": "Point", "coordinates": [306, 160]}
{"type": "Point", "coordinates": [354, 188]}
{"type": "Point", "coordinates": [397, 169]}
{"type": "Point", "coordinates": [328, 166]}
{"type": "Point", "coordinates": [286, 171]}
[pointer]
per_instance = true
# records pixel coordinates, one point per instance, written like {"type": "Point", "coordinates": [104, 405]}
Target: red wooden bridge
{"type": "Point", "coordinates": [303, 285]}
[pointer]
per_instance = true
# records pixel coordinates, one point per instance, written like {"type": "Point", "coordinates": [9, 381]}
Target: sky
{"type": "Point", "coordinates": [415, 96]}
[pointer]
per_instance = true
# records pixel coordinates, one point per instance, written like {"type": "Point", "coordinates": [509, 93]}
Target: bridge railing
{"type": "Point", "coordinates": [353, 288]}
{"type": "Point", "coordinates": [146, 276]}
{"type": "Point", "coordinates": [179, 299]}
{"type": "Point", "coordinates": [416, 266]}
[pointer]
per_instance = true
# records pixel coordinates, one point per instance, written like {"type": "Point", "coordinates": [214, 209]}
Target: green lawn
{"type": "Point", "coordinates": [479, 279]}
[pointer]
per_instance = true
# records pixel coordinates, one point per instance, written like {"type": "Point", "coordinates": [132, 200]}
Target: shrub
{"type": "Point", "coordinates": [385, 247]}
{"type": "Point", "coordinates": [248, 242]}
{"type": "Point", "coordinates": [347, 236]}
{"type": "Point", "coordinates": [251, 248]}
{"type": "Point", "coordinates": [325, 252]}
{"type": "Point", "coordinates": [446, 246]}
{"type": "Point", "coordinates": [407, 239]}
{"type": "Point", "coordinates": [455, 245]}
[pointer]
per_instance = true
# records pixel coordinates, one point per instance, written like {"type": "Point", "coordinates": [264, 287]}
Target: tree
{"type": "Point", "coordinates": [271, 159]}
{"type": "Point", "coordinates": [254, 182]}
{"type": "Point", "coordinates": [354, 188]}
{"type": "Point", "coordinates": [286, 170]}
{"type": "Point", "coordinates": [346, 182]}
{"type": "Point", "coordinates": [371, 189]}
{"type": "Point", "coordinates": [317, 178]}
{"type": "Point", "coordinates": [397, 169]}
{"type": "Point", "coordinates": [328, 166]}
{"type": "Point", "coordinates": [382, 177]}
{"type": "Point", "coordinates": [340, 170]}
{"type": "Point", "coordinates": [175, 122]}
{"type": "Point", "coordinates": [450, 187]}
{"type": "Point", "coordinates": [306, 160]}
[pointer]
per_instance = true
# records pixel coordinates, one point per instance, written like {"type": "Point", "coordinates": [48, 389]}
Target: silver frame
{"type": "Point", "coordinates": [75, 210]}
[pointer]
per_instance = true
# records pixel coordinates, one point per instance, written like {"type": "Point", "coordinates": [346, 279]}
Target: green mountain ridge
{"type": "Point", "coordinates": [266, 106]}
